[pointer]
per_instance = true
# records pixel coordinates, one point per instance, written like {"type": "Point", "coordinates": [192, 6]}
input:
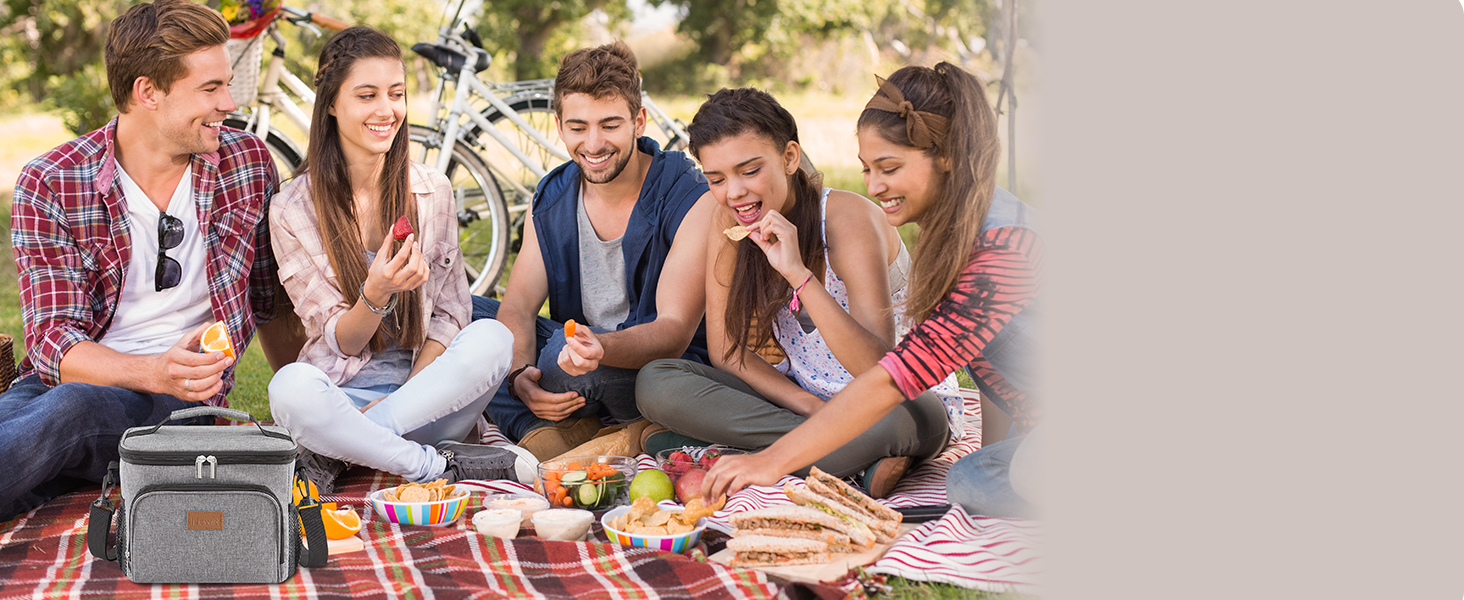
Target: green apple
{"type": "Point", "coordinates": [652, 483]}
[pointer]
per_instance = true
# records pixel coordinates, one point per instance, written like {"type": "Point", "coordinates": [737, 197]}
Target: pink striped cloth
{"type": "Point", "coordinates": [981, 553]}
{"type": "Point", "coordinates": [985, 553]}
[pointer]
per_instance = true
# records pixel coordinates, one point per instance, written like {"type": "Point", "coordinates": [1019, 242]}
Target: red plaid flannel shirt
{"type": "Point", "coordinates": [69, 228]}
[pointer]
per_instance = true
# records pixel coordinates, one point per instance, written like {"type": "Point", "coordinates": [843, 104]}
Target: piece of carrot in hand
{"type": "Point", "coordinates": [569, 329]}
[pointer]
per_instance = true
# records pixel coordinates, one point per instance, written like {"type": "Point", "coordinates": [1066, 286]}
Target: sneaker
{"type": "Point", "coordinates": [880, 478]}
{"type": "Point", "coordinates": [475, 461]}
{"type": "Point", "coordinates": [322, 470]}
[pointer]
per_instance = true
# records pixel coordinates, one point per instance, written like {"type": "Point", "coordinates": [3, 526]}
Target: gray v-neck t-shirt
{"type": "Point", "coordinates": [602, 274]}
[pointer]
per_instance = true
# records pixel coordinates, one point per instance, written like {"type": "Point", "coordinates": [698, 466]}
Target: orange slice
{"type": "Point", "coordinates": [216, 339]}
{"type": "Point", "coordinates": [340, 524]}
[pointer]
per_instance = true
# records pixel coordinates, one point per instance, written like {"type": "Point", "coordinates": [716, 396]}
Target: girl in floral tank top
{"type": "Point", "coordinates": [813, 365]}
{"type": "Point", "coordinates": [803, 268]}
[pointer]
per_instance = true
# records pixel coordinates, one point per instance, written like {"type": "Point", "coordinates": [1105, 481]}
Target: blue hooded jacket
{"type": "Point", "coordinates": [672, 186]}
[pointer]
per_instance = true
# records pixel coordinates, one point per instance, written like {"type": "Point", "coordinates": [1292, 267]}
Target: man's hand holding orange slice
{"type": "Point", "coordinates": [582, 350]}
{"type": "Point", "coordinates": [193, 369]}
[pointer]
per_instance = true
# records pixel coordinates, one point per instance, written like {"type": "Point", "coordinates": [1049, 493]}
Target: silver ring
{"type": "Point", "coordinates": [188, 385]}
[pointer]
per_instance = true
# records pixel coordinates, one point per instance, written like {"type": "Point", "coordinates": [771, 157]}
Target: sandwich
{"type": "Point", "coordinates": [769, 551]}
{"type": "Point", "coordinates": [799, 522]}
{"type": "Point", "coordinates": [834, 497]}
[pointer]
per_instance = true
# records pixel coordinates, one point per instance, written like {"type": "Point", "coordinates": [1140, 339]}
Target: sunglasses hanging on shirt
{"type": "Point", "coordinates": [170, 235]}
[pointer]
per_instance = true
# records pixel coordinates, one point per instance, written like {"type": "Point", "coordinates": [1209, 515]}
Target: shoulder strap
{"type": "Point", "coordinates": [99, 522]}
{"type": "Point", "coordinates": [315, 551]}
{"type": "Point", "coordinates": [823, 230]}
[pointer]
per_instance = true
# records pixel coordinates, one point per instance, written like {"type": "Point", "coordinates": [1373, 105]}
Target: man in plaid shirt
{"type": "Point", "coordinates": [130, 241]}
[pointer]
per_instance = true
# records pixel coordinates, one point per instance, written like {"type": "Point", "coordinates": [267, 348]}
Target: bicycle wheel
{"type": "Point", "coordinates": [288, 157]}
{"type": "Point", "coordinates": [481, 213]}
{"type": "Point", "coordinates": [538, 111]}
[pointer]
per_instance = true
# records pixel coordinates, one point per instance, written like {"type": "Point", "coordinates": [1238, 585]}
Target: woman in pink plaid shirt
{"type": "Point", "coordinates": [395, 373]}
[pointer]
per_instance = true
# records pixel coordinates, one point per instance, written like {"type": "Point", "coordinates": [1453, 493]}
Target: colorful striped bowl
{"type": "Point", "coordinates": [669, 543]}
{"type": "Point", "coordinates": [440, 512]}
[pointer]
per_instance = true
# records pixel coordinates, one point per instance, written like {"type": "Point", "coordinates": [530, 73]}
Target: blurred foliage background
{"type": "Point", "coordinates": [816, 56]}
{"type": "Point", "coordinates": [51, 50]}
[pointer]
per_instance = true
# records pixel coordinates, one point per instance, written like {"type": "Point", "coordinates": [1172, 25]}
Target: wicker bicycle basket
{"type": "Point", "coordinates": [246, 55]}
{"type": "Point", "coordinates": [7, 362]}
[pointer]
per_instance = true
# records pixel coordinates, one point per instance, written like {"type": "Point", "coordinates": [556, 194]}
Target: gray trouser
{"type": "Point", "coordinates": [709, 404]}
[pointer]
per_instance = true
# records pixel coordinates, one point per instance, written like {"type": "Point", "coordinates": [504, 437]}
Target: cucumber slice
{"type": "Point", "coordinates": [574, 477]}
{"type": "Point", "coordinates": [588, 494]}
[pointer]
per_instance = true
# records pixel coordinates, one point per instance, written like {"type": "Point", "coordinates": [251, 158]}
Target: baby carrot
{"type": "Point", "coordinates": [569, 329]}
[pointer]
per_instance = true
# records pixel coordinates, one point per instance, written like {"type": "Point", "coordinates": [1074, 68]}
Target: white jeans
{"type": "Point", "coordinates": [441, 403]}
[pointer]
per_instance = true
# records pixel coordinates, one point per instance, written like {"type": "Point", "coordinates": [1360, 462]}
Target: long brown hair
{"type": "Point", "coordinates": [757, 291]}
{"type": "Point", "coordinates": [970, 149]}
{"type": "Point", "coordinates": [330, 185]}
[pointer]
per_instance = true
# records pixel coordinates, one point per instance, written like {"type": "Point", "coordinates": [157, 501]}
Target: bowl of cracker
{"type": "Point", "coordinates": [435, 503]}
{"type": "Point", "coordinates": [643, 524]}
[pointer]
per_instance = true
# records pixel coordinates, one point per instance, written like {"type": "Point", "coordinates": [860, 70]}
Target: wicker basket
{"type": "Point", "coordinates": [246, 55]}
{"type": "Point", "coordinates": [8, 372]}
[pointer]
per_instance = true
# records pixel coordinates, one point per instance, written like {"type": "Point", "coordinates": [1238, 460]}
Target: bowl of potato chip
{"type": "Point", "coordinates": [643, 524]}
{"type": "Point", "coordinates": [435, 503]}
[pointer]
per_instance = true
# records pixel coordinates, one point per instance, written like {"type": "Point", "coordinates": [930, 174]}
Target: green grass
{"type": "Point", "coordinates": [902, 589]}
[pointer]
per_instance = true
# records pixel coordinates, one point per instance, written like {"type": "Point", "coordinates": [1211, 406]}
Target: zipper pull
{"type": "Point", "coordinates": [198, 466]}
{"type": "Point", "coordinates": [213, 468]}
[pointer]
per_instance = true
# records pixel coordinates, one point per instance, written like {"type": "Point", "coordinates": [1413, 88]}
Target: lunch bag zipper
{"type": "Point", "coordinates": [176, 458]}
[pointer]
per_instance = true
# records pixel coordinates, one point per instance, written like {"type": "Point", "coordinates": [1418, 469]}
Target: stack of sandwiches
{"type": "Point", "coordinates": [829, 516]}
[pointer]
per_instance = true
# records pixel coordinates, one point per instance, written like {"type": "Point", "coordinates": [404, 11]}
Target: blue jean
{"type": "Point", "coordinates": [441, 403]}
{"type": "Point", "coordinates": [606, 390]}
{"type": "Point", "coordinates": [981, 482]}
{"type": "Point", "coordinates": [55, 440]}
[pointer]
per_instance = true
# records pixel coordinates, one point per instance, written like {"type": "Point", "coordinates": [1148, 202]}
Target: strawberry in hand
{"type": "Point", "coordinates": [401, 229]}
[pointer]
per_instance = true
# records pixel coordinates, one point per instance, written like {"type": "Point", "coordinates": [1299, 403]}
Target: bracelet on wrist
{"type": "Point", "coordinates": [511, 377]}
{"type": "Point", "coordinates": [390, 304]}
{"type": "Point", "coordinates": [794, 304]}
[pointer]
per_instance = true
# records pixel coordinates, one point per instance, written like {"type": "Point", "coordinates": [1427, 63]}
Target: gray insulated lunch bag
{"type": "Point", "coordinates": [207, 504]}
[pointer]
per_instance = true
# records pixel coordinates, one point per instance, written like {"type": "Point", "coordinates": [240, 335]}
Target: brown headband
{"type": "Point", "coordinates": [925, 129]}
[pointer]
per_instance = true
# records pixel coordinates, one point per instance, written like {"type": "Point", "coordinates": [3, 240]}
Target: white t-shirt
{"type": "Point", "coordinates": [149, 321]}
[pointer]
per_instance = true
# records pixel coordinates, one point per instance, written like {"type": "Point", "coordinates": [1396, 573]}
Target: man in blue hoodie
{"type": "Point", "coordinates": [616, 243]}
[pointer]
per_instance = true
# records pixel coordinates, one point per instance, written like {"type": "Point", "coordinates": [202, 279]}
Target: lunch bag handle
{"type": "Point", "coordinates": [215, 411]}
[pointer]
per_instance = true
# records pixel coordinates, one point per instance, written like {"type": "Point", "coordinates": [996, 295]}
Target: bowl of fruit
{"type": "Point", "coordinates": [691, 462]}
{"type": "Point", "coordinates": [587, 482]}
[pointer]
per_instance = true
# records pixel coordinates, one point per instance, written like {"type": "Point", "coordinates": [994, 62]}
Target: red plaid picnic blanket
{"type": "Point", "coordinates": [43, 554]}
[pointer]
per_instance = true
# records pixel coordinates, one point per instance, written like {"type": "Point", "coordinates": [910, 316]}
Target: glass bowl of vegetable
{"type": "Point", "coordinates": [587, 482]}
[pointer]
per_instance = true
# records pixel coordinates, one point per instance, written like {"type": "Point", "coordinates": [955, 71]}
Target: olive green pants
{"type": "Point", "coordinates": [709, 404]}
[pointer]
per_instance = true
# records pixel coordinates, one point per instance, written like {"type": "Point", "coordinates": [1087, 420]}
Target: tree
{"type": "Point", "coordinates": [732, 32]}
{"type": "Point", "coordinates": [60, 44]}
{"type": "Point", "coordinates": [536, 32]}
